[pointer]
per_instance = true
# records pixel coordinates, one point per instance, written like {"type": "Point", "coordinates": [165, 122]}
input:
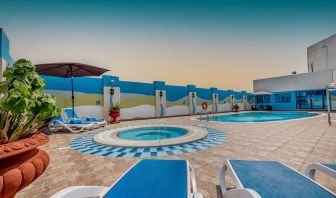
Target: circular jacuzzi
{"type": "Point", "coordinates": [150, 135]}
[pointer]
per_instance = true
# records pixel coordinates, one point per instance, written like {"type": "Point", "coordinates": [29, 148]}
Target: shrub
{"type": "Point", "coordinates": [24, 108]}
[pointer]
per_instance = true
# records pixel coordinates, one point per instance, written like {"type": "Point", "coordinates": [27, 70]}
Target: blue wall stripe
{"type": "Point", "coordinates": [137, 88]}
{"type": "Point", "coordinates": [175, 93]}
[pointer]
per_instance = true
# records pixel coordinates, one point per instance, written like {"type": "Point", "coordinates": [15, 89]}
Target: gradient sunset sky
{"type": "Point", "coordinates": [209, 43]}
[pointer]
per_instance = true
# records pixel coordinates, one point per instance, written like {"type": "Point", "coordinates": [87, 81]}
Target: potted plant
{"type": "Point", "coordinates": [236, 108]}
{"type": "Point", "coordinates": [24, 109]}
{"type": "Point", "coordinates": [114, 113]}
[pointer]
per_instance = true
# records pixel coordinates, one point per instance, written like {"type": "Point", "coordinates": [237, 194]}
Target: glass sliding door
{"type": "Point", "coordinates": [303, 100]}
{"type": "Point", "coordinates": [318, 99]}
{"type": "Point", "coordinates": [311, 99]}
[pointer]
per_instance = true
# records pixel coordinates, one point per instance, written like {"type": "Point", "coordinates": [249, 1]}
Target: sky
{"type": "Point", "coordinates": [208, 43]}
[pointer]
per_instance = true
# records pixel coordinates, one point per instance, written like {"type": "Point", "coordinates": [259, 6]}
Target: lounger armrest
{"type": "Point", "coordinates": [80, 191]}
{"type": "Point", "coordinates": [222, 173]}
{"type": "Point", "coordinates": [241, 193]}
{"type": "Point", "coordinates": [193, 187]}
{"type": "Point", "coordinates": [192, 179]}
{"type": "Point", "coordinates": [312, 168]}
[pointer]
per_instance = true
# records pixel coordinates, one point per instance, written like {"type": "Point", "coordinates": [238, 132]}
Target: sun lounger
{"type": "Point", "coordinates": [272, 179]}
{"type": "Point", "coordinates": [74, 126]}
{"type": "Point", "coordinates": [328, 169]}
{"type": "Point", "coordinates": [67, 115]}
{"type": "Point", "coordinates": [146, 179]}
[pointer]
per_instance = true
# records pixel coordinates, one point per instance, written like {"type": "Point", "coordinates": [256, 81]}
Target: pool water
{"type": "Point", "coordinates": [152, 133]}
{"type": "Point", "coordinates": [260, 116]}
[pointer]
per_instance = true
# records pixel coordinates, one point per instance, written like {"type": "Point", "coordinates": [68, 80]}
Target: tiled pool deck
{"type": "Point", "coordinates": [296, 143]}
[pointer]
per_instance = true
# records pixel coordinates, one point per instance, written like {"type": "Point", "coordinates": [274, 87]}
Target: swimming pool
{"type": "Point", "coordinates": [152, 133]}
{"type": "Point", "coordinates": [259, 117]}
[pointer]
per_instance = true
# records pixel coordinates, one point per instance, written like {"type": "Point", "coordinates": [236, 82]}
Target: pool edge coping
{"type": "Point", "coordinates": [320, 114]}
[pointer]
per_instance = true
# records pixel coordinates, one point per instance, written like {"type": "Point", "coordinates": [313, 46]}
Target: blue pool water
{"type": "Point", "coordinates": [260, 116]}
{"type": "Point", "coordinates": [152, 133]}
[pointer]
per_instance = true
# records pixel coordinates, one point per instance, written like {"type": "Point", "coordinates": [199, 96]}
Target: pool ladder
{"type": "Point", "coordinates": [205, 114]}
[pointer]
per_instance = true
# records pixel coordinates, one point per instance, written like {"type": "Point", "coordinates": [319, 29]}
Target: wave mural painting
{"type": "Point", "coordinates": [135, 106]}
{"type": "Point", "coordinates": [137, 100]}
{"type": "Point", "coordinates": [93, 97]}
{"type": "Point", "coordinates": [178, 107]}
{"type": "Point", "coordinates": [238, 98]}
{"type": "Point", "coordinates": [177, 100]}
{"type": "Point", "coordinates": [204, 95]}
{"type": "Point", "coordinates": [224, 103]}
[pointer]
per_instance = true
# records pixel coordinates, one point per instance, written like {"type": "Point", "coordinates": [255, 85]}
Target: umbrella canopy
{"type": "Point", "coordinates": [262, 93]}
{"type": "Point", "coordinates": [69, 70]}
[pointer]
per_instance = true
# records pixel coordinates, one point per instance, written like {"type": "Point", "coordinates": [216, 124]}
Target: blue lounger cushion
{"type": "Point", "coordinates": [153, 178]}
{"type": "Point", "coordinates": [331, 166]}
{"type": "Point", "coordinates": [68, 113]}
{"type": "Point", "coordinates": [273, 179]}
{"type": "Point", "coordinates": [72, 121]}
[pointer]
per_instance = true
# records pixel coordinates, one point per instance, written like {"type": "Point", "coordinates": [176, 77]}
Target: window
{"type": "Point", "coordinates": [263, 99]}
{"type": "Point", "coordinates": [283, 98]}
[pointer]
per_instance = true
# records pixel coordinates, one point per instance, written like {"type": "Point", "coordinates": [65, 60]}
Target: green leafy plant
{"type": "Point", "coordinates": [24, 108]}
{"type": "Point", "coordinates": [115, 108]}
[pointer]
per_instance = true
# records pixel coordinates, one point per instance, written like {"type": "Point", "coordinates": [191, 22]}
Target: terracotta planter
{"type": "Point", "coordinates": [115, 117]}
{"type": "Point", "coordinates": [21, 163]}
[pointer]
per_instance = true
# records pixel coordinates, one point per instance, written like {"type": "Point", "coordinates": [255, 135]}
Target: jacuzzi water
{"type": "Point", "coordinates": [260, 116]}
{"type": "Point", "coordinates": [152, 133]}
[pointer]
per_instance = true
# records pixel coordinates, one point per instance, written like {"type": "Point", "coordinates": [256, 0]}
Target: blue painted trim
{"type": "Point", "coordinates": [107, 81]}
{"type": "Point", "coordinates": [213, 90]}
{"type": "Point", "coordinates": [191, 88]}
{"type": "Point", "coordinates": [137, 88]}
{"type": "Point", "coordinates": [159, 85]}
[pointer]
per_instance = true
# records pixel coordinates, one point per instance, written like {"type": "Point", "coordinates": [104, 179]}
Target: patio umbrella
{"type": "Point", "coordinates": [69, 70]}
{"type": "Point", "coordinates": [262, 93]}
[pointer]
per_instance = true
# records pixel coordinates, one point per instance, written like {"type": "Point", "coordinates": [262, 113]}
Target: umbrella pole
{"type": "Point", "coordinates": [72, 95]}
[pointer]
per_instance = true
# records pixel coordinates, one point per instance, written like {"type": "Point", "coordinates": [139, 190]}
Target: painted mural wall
{"type": "Point", "coordinates": [137, 100]}
{"type": "Point", "coordinates": [177, 100]}
{"type": "Point", "coordinates": [204, 95]}
{"type": "Point", "coordinates": [240, 98]}
{"type": "Point", "coordinates": [224, 103]}
{"type": "Point", "coordinates": [94, 97]}
{"type": "Point", "coordinates": [88, 99]}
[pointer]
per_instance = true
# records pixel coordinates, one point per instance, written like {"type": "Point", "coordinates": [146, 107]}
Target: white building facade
{"type": "Point", "coordinates": [302, 91]}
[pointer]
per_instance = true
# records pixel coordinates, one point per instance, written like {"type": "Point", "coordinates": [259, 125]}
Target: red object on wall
{"type": "Point", "coordinates": [21, 163]}
{"type": "Point", "coordinates": [115, 117]}
{"type": "Point", "coordinates": [204, 105]}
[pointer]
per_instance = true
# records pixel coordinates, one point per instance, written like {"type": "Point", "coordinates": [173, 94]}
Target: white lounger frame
{"type": "Point", "coordinates": [95, 124]}
{"type": "Point", "coordinates": [227, 167]}
{"type": "Point", "coordinates": [240, 192]}
{"type": "Point", "coordinates": [73, 128]}
{"type": "Point", "coordinates": [312, 168]}
{"type": "Point", "coordinates": [99, 191]}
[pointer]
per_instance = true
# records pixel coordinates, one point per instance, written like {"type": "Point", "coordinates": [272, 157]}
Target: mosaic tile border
{"type": "Point", "coordinates": [85, 144]}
